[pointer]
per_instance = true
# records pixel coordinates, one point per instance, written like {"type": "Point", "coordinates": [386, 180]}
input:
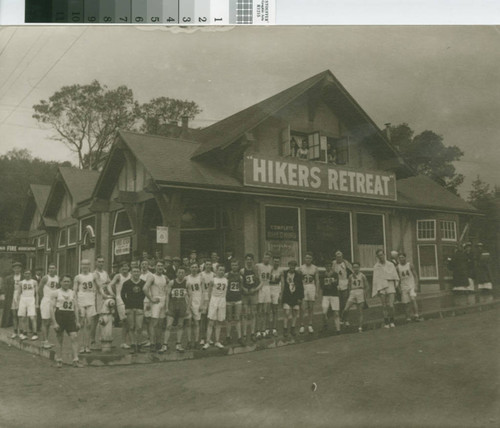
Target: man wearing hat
{"type": "Point", "coordinates": [9, 317]}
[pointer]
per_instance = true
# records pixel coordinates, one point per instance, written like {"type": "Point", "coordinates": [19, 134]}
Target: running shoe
{"type": "Point", "coordinates": [14, 335]}
{"type": "Point", "coordinates": [77, 364]}
{"type": "Point", "coordinates": [202, 342]}
{"type": "Point", "coordinates": [206, 346]}
{"type": "Point", "coordinates": [163, 349]}
{"type": "Point", "coordinates": [310, 329]}
{"type": "Point", "coordinates": [34, 337]}
{"type": "Point", "coordinates": [47, 345]}
{"type": "Point", "coordinates": [81, 351]}
{"type": "Point", "coordinates": [387, 326]}
{"type": "Point", "coordinates": [408, 319]}
{"type": "Point", "coordinates": [392, 325]}
{"type": "Point", "coordinates": [179, 348]}
{"type": "Point", "coordinates": [258, 335]}
{"type": "Point", "coordinates": [59, 363]}
{"type": "Point", "coordinates": [219, 345]}
{"type": "Point", "coordinates": [360, 329]}
{"type": "Point", "coordinates": [211, 342]}
{"type": "Point", "coordinates": [347, 324]}
{"type": "Point", "coordinates": [275, 332]}
{"type": "Point", "coordinates": [302, 330]}
{"type": "Point", "coordinates": [125, 346]}
{"type": "Point", "coordinates": [146, 343]}
{"type": "Point", "coordinates": [88, 351]}
{"type": "Point", "coordinates": [267, 333]}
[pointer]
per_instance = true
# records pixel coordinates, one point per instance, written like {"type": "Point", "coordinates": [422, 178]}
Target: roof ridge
{"type": "Point", "coordinates": [161, 137]}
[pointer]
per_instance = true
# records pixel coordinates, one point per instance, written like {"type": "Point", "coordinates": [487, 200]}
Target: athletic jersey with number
{"type": "Point", "coordinates": [264, 273]}
{"type": "Point", "coordinates": [194, 284]}
{"type": "Point", "coordinates": [50, 285]}
{"type": "Point", "coordinates": [330, 283]}
{"type": "Point", "coordinates": [293, 290]}
{"type": "Point", "coordinates": [28, 287]}
{"type": "Point", "coordinates": [249, 278]}
{"type": "Point", "coordinates": [206, 279]}
{"type": "Point", "coordinates": [275, 277]}
{"type": "Point", "coordinates": [357, 281]}
{"type": "Point", "coordinates": [308, 273]}
{"type": "Point", "coordinates": [234, 287]}
{"type": "Point", "coordinates": [178, 296]}
{"type": "Point", "coordinates": [341, 269]}
{"type": "Point", "coordinates": [65, 299]}
{"type": "Point", "coordinates": [406, 275]}
{"type": "Point", "coordinates": [219, 288]}
{"type": "Point", "coordinates": [159, 286]}
{"type": "Point", "coordinates": [86, 289]}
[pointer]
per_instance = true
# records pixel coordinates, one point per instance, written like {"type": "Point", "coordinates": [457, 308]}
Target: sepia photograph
{"type": "Point", "coordinates": [273, 226]}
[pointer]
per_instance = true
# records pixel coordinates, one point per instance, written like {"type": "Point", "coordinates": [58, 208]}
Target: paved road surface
{"type": "Point", "coordinates": [437, 373]}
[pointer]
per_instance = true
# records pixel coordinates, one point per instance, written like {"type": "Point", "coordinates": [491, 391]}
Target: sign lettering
{"type": "Point", "coordinates": [306, 176]}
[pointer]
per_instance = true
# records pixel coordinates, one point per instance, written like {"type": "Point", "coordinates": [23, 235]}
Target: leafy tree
{"type": "Point", "coordinates": [18, 169]}
{"type": "Point", "coordinates": [428, 155]}
{"type": "Point", "coordinates": [86, 118]}
{"type": "Point", "coordinates": [159, 112]}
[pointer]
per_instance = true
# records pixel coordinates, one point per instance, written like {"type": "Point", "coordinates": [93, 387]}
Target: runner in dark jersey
{"type": "Point", "coordinates": [233, 302]}
{"type": "Point", "coordinates": [177, 312]}
{"type": "Point", "coordinates": [250, 291]}
{"type": "Point", "coordinates": [293, 293]}
{"type": "Point", "coordinates": [133, 298]}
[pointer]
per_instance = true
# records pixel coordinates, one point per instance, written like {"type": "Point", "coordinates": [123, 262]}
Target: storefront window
{"type": "Point", "coordinates": [282, 233]}
{"type": "Point", "coordinates": [62, 238]}
{"type": "Point", "coordinates": [427, 261]}
{"type": "Point", "coordinates": [72, 235]}
{"type": "Point", "coordinates": [198, 218]}
{"type": "Point", "coordinates": [448, 230]}
{"type": "Point", "coordinates": [327, 232]}
{"type": "Point", "coordinates": [122, 249]}
{"type": "Point", "coordinates": [370, 237]}
{"type": "Point", "coordinates": [426, 230]}
{"type": "Point", "coordinates": [122, 223]}
{"type": "Point", "coordinates": [41, 241]}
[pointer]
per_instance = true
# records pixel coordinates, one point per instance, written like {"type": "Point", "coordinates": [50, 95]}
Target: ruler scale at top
{"type": "Point", "coordinates": [139, 12]}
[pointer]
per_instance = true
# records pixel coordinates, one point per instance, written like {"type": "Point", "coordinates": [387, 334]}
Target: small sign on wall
{"type": "Point", "coordinates": [162, 234]}
{"type": "Point", "coordinates": [122, 246]}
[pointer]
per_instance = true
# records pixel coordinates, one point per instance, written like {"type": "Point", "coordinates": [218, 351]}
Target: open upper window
{"type": "Point", "coordinates": [315, 146]}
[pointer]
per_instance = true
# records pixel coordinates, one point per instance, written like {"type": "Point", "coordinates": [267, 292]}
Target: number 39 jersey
{"type": "Point", "coordinates": [65, 300]}
{"type": "Point", "coordinates": [86, 289]}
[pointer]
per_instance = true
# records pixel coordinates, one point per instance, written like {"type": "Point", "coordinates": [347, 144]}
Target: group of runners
{"type": "Point", "coordinates": [151, 298]}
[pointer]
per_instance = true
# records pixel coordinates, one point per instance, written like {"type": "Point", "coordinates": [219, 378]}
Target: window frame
{"type": "Point", "coordinates": [417, 230]}
{"type": "Point", "coordinates": [435, 260]}
{"type": "Point", "coordinates": [191, 229]}
{"type": "Point", "coordinates": [114, 233]}
{"type": "Point", "coordinates": [40, 244]}
{"type": "Point", "coordinates": [64, 243]}
{"type": "Point", "coordinates": [454, 229]}
{"type": "Point", "coordinates": [69, 234]}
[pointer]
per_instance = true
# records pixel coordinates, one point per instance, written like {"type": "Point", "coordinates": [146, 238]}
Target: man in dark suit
{"type": "Point", "coordinates": [9, 316]}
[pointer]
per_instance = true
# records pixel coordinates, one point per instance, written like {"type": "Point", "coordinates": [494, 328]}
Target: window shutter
{"type": "Point", "coordinates": [323, 148]}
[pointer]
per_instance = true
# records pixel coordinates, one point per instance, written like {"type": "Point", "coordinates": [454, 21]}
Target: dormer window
{"type": "Point", "coordinates": [315, 146]}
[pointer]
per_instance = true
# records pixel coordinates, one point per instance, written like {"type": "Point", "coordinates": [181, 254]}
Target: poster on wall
{"type": "Point", "coordinates": [122, 246]}
{"type": "Point", "coordinates": [282, 233]}
{"type": "Point", "coordinates": [162, 234]}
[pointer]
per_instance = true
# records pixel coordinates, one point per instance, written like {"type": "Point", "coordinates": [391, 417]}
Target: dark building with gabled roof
{"type": "Point", "coordinates": [304, 170]}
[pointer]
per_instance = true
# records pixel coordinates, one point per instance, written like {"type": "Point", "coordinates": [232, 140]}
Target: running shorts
{"type": "Point", "coordinates": [66, 321]}
{"type": "Point", "coordinates": [309, 292]}
{"type": "Point", "coordinates": [330, 302]}
{"type": "Point", "coordinates": [356, 296]}
{"type": "Point", "coordinates": [27, 307]}
{"type": "Point", "coordinates": [46, 308]}
{"type": "Point", "coordinates": [264, 294]}
{"type": "Point", "coordinates": [217, 309]}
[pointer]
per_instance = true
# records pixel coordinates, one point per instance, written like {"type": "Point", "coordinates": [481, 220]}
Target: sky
{"type": "Point", "coordinates": [444, 78]}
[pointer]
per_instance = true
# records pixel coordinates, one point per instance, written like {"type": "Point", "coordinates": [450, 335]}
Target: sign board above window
{"type": "Point", "coordinates": [304, 176]}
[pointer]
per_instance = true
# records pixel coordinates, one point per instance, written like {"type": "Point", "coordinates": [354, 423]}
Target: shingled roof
{"type": "Point", "coordinates": [223, 133]}
{"type": "Point", "coordinates": [80, 182]}
{"type": "Point", "coordinates": [168, 160]}
{"type": "Point", "coordinates": [422, 192]}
